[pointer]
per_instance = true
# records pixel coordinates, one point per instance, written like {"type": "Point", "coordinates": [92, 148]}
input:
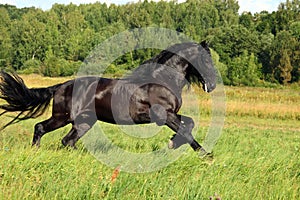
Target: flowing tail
{"type": "Point", "coordinates": [30, 103]}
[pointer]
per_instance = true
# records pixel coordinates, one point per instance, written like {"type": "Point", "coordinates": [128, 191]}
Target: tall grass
{"type": "Point", "coordinates": [257, 156]}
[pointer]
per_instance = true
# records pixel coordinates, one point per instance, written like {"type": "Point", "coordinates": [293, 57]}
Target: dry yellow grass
{"type": "Point", "coordinates": [35, 80]}
{"type": "Point", "coordinates": [266, 108]}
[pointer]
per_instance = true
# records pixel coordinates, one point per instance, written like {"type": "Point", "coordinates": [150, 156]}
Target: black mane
{"type": "Point", "coordinates": [166, 54]}
{"type": "Point", "coordinates": [169, 63]}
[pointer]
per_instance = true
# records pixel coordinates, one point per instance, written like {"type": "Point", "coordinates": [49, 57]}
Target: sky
{"type": "Point", "coordinates": [245, 5]}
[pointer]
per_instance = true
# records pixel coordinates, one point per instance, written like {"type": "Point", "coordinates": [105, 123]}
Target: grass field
{"type": "Point", "coordinates": [257, 156]}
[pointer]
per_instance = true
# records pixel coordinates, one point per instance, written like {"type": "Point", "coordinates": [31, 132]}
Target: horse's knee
{"type": "Point", "coordinates": [158, 114]}
{"type": "Point", "coordinates": [39, 128]}
{"type": "Point", "coordinates": [187, 123]}
{"type": "Point", "coordinates": [186, 127]}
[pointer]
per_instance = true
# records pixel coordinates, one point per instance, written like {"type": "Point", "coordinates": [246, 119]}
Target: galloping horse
{"type": "Point", "coordinates": [151, 94]}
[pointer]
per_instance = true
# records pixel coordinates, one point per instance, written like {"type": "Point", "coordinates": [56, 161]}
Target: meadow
{"type": "Point", "coordinates": [256, 157]}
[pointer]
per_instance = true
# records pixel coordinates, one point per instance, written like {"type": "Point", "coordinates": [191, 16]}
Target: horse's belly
{"type": "Point", "coordinates": [122, 111]}
{"type": "Point", "coordinates": [103, 109]}
{"type": "Point", "coordinates": [122, 103]}
{"type": "Point", "coordinates": [112, 110]}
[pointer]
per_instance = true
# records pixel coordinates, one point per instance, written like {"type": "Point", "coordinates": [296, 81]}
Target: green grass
{"type": "Point", "coordinates": [257, 157]}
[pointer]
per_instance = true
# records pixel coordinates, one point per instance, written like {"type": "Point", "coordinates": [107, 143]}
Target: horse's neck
{"type": "Point", "coordinates": [176, 69]}
{"type": "Point", "coordinates": [170, 76]}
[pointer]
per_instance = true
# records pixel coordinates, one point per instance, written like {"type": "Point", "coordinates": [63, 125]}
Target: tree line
{"type": "Point", "coordinates": [248, 49]}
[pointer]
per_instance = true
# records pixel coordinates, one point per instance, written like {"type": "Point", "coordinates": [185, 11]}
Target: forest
{"type": "Point", "coordinates": [249, 49]}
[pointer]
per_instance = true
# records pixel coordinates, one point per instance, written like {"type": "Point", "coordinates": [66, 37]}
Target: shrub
{"type": "Point", "coordinates": [31, 66]}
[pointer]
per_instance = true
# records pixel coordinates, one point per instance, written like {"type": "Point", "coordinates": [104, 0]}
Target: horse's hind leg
{"type": "Point", "coordinates": [70, 138]}
{"type": "Point", "coordinates": [75, 134]}
{"type": "Point", "coordinates": [46, 126]}
{"type": "Point", "coordinates": [82, 124]}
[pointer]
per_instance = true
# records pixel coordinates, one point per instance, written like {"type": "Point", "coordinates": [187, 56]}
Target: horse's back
{"type": "Point", "coordinates": [79, 95]}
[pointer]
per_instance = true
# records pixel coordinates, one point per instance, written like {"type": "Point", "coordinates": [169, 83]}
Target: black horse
{"type": "Point", "coordinates": [151, 94]}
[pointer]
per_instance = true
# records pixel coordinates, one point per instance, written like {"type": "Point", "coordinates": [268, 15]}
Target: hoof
{"type": "Point", "coordinates": [68, 144]}
{"type": "Point", "coordinates": [176, 141]}
{"type": "Point", "coordinates": [202, 153]}
{"type": "Point", "coordinates": [171, 144]}
{"type": "Point", "coordinates": [64, 143]}
{"type": "Point", "coordinates": [35, 144]}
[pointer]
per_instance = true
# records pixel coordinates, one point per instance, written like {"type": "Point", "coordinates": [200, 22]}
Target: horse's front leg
{"type": "Point", "coordinates": [183, 127]}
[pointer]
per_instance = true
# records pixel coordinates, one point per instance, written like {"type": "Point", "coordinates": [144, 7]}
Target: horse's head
{"type": "Point", "coordinates": [201, 68]}
{"type": "Point", "coordinates": [193, 62]}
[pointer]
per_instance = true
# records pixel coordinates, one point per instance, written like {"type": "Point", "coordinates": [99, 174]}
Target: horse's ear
{"type": "Point", "coordinates": [204, 45]}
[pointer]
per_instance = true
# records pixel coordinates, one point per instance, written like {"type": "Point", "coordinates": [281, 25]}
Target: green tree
{"type": "Point", "coordinates": [197, 17]}
{"type": "Point", "coordinates": [295, 58]}
{"type": "Point", "coordinates": [287, 12]}
{"type": "Point", "coordinates": [295, 29]}
{"type": "Point", "coordinates": [5, 39]}
{"type": "Point", "coordinates": [53, 35]}
{"type": "Point", "coordinates": [51, 66]}
{"type": "Point", "coordinates": [75, 27]}
{"type": "Point", "coordinates": [31, 67]}
{"type": "Point", "coordinates": [247, 20]}
{"type": "Point", "coordinates": [265, 22]}
{"type": "Point", "coordinates": [231, 42]}
{"type": "Point", "coordinates": [222, 68]}
{"type": "Point", "coordinates": [228, 12]}
{"type": "Point", "coordinates": [285, 67]}
{"type": "Point", "coordinates": [244, 70]}
{"type": "Point", "coordinates": [54, 66]}
{"type": "Point", "coordinates": [264, 55]}
{"type": "Point", "coordinates": [282, 51]}
{"type": "Point", "coordinates": [164, 14]}
{"type": "Point", "coordinates": [28, 38]}
{"type": "Point", "coordinates": [138, 15]}
{"type": "Point", "coordinates": [96, 15]}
